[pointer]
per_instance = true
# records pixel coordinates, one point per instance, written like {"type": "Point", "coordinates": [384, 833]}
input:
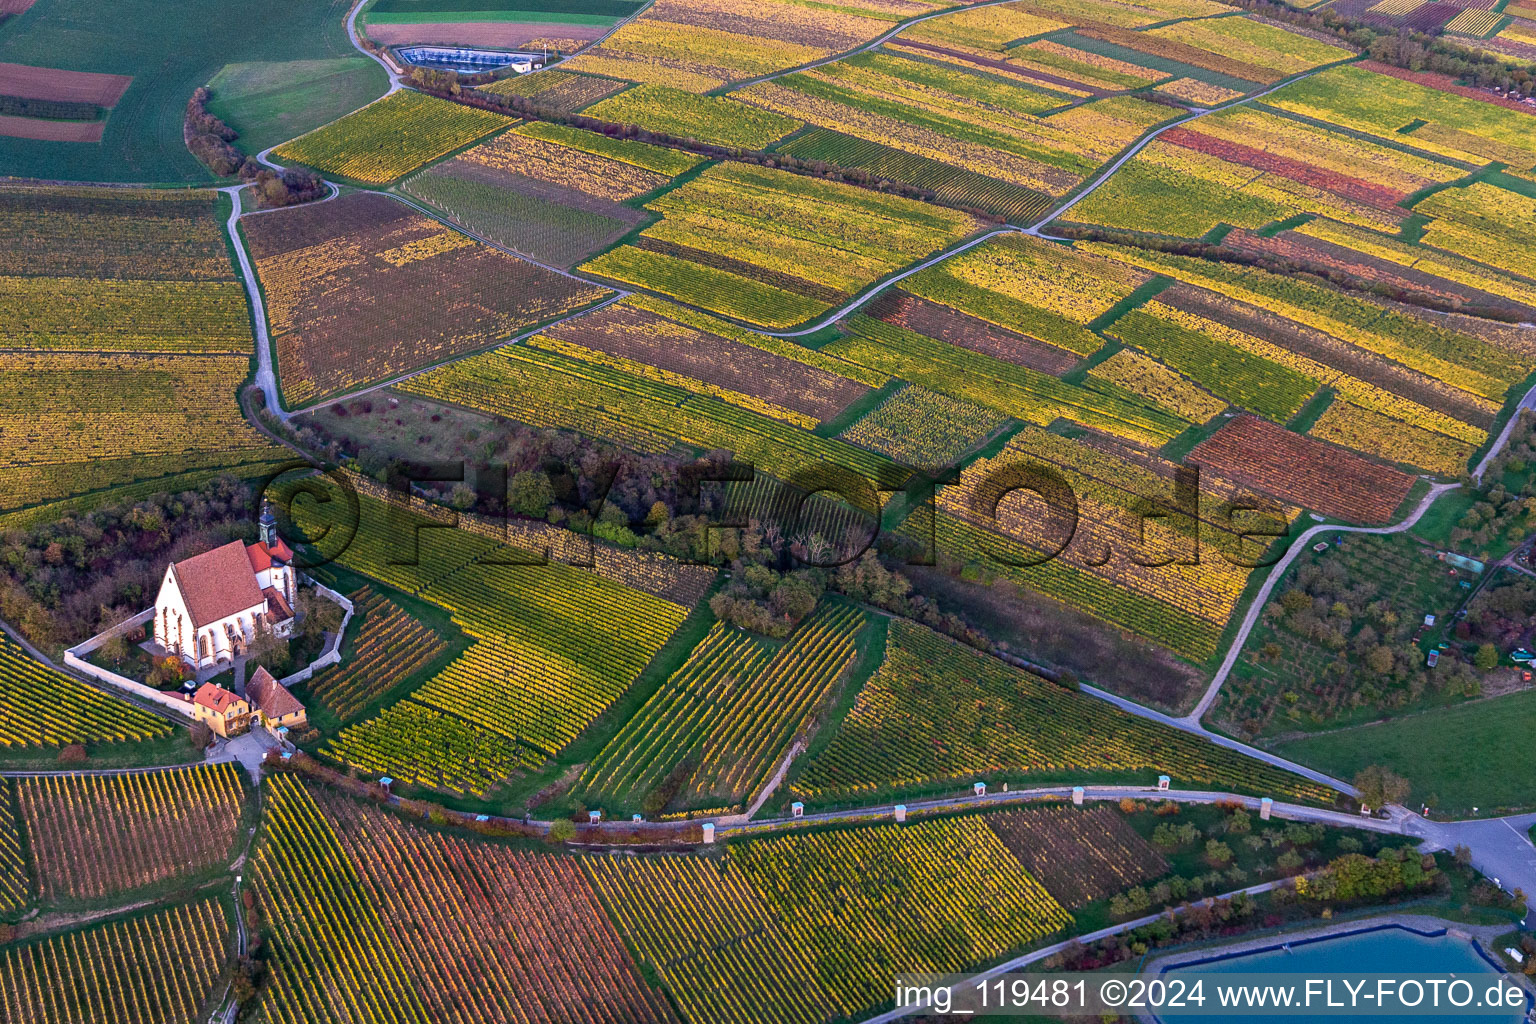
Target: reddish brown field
{"type": "Point", "coordinates": [51, 131]}
{"type": "Point", "coordinates": [1303, 471]}
{"type": "Point", "coordinates": [363, 288]}
{"type": "Point", "coordinates": [956, 328]}
{"type": "Point", "coordinates": [1079, 856]}
{"type": "Point", "coordinates": [490, 933]}
{"type": "Point", "coordinates": [1316, 252]}
{"type": "Point", "coordinates": [94, 835]}
{"type": "Point", "coordinates": [637, 334]}
{"type": "Point", "coordinates": [52, 84]}
{"type": "Point", "coordinates": [480, 33]}
{"type": "Point", "coordinates": [15, 6]}
{"type": "Point", "coordinates": [1369, 193]}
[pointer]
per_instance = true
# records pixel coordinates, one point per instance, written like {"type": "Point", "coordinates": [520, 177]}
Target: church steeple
{"type": "Point", "coordinates": [267, 524]}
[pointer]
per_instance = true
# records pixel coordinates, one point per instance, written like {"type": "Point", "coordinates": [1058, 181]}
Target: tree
{"type": "Point", "coordinates": [200, 735]}
{"type": "Point", "coordinates": [1380, 786]}
{"type": "Point", "coordinates": [319, 614]}
{"type": "Point", "coordinates": [1487, 657]}
{"type": "Point", "coordinates": [115, 650]}
{"type": "Point", "coordinates": [561, 830]}
{"type": "Point", "coordinates": [530, 494]}
{"type": "Point", "coordinates": [269, 652]}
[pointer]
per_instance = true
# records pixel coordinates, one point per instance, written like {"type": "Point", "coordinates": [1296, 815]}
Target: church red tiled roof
{"type": "Point", "coordinates": [277, 605]}
{"type": "Point", "coordinates": [215, 698]}
{"type": "Point", "coordinates": [261, 556]}
{"type": "Point", "coordinates": [217, 584]}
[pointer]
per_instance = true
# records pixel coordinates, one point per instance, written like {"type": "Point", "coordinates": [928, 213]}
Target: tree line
{"type": "Point", "coordinates": [212, 141]}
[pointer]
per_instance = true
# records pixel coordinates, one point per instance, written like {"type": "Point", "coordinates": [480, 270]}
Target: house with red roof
{"type": "Point", "coordinates": [211, 606]}
{"type": "Point", "coordinates": [226, 713]}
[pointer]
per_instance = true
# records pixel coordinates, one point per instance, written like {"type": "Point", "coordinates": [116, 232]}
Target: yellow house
{"type": "Point", "coordinates": [274, 705]}
{"type": "Point", "coordinates": [226, 713]}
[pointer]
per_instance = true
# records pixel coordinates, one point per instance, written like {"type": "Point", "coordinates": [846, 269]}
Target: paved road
{"type": "Point", "coordinates": [1501, 848]}
{"type": "Point", "coordinates": [266, 378]}
{"type": "Point", "coordinates": [1193, 725]}
{"type": "Point", "coordinates": [1256, 606]}
{"type": "Point", "coordinates": [876, 289]}
{"type": "Point", "coordinates": [1528, 402]}
{"type": "Point", "coordinates": [998, 798]}
{"type": "Point", "coordinates": [1106, 173]}
{"type": "Point", "coordinates": [395, 85]}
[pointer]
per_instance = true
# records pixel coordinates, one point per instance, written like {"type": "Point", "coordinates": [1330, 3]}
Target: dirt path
{"type": "Point", "coordinates": [1256, 606]}
{"type": "Point", "coordinates": [266, 376]}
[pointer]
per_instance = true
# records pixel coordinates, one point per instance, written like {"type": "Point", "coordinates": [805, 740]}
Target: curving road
{"type": "Point", "coordinates": [266, 376]}
{"type": "Point", "coordinates": [1105, 174]}
{"type": "Point", "coordinates": [1526, 403]}
{"type": "Point", "coordinates": [1256, 606]}
{"type": "Point", "coordinates": [395, 85]}
{"type": "Point", "coordinates": [1193, 725]}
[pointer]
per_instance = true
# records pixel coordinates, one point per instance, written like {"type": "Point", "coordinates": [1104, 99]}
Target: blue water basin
{"type": "Point", "coordinates": [1384, 949]}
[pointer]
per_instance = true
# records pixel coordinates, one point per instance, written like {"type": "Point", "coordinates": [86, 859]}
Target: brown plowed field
{"type": "Point", "coordinates": [53, 84]}
{"type": "Point", "coordinates": [1304, 471]}
{"type": "Point", "coordinates": [51, 131]}
{"type": "Point", "coordinates": [480, 33]}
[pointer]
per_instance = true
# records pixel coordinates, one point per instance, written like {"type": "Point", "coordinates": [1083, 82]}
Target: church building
{"type": "Point", "coordinates": [211, 606]}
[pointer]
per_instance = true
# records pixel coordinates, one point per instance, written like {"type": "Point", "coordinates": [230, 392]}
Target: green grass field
{"type": "Point", "coordinates": [170, 50]}
{"type": "Point", "coordinates": [269, 102]}
{"type": "Point", "coordinates": [1474, 755]}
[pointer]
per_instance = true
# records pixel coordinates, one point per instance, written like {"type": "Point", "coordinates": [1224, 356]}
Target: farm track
{"type": "Point", "coordinates": [1256, 606]}
{"type": "Point", "coordinates": [1142, 143]}
{"type": "Point", "coordinates": [266, 375]}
